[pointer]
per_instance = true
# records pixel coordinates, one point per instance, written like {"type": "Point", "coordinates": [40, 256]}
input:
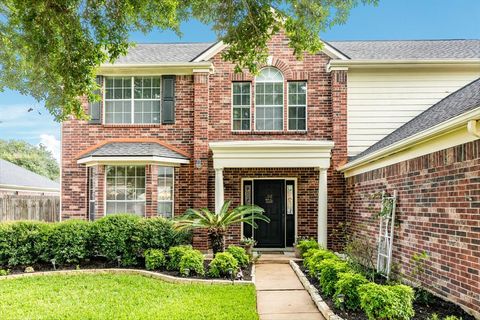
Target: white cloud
{"type": "Point", "coordinates": [52, 144]}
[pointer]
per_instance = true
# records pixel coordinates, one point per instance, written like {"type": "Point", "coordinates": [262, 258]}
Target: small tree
{"type": "Point", "coordinates": [217, 223]}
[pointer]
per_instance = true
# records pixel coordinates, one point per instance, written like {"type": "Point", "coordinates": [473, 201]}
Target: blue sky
{"type": "Point", "coordinates": [391, 19]}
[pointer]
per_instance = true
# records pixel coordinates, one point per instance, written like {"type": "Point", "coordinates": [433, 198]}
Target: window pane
{"type": "Point", "coordinates": [269, 100]}
{"type": "Point", "coordinates": [165, 191]}
{"type": "Point", "coordinates": [241, 105]}
{"type": "Point", "coordinates": [123, 194]}
{"type": "Point", "coordinates": [297, 99]}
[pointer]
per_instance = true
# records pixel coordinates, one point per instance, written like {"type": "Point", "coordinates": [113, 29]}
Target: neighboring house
{"type": "Point", "coordinates": [25, 195]}
{"type": "Point", "coordinates": [178, 128]}
{"type": "Point", "coordinates": [20, 181]}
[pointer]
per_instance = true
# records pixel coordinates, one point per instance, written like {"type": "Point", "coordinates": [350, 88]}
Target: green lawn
{"type": "Point", "coordinates": [109, 296]}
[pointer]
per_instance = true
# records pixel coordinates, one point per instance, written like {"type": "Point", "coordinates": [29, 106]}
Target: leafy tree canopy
{"type": "Point", "coordinates": [51, 49]}
{"type": "Point", "coordinates": [33, 158]}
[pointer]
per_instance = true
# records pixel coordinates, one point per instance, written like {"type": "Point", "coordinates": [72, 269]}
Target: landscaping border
{"type": "Point", "coordinates": [145, 273]}
{"type": "Point", "coordinates": [317, 299]}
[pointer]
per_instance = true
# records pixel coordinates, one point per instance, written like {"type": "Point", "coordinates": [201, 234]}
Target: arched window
{"type": "Point", "coordinates": [269, 100]}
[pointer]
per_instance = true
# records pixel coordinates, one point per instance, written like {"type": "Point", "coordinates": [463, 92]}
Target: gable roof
{"type": "Point", "coordinates": [150, 53]}
{"type": "Point", "coordinates": [457, 103]}
{"type": "Point", "coordinates": [409, 49]}
{"type": "Point", "coordinates": [12, 175]}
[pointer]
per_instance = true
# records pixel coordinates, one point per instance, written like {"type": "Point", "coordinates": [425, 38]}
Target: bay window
{"type": "Point", "coordinates": [125, 189]}
{"type": "Point", "coordinates": [165, 191]}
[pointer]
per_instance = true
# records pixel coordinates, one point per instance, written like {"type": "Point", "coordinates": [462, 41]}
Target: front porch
{"type": "Point", "coordinates": [287, 178]}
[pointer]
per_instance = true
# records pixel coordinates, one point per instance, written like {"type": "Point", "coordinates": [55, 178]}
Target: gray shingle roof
{"type": "Point", "coordinates": [13, 175]}
{"type": "Point", "coordinates": [145, 53]}
{"type": "Point", "coordinates": [465, 99]}
{"type": "Point", "coordinates": [134, 149]}
{"type": "Point", "coordinates": [409, 49]}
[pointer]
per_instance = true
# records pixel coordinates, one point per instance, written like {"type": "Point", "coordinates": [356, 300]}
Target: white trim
{"type": "Point", "coordinates": [422, 137]}
{"type": "Point", "coordinates": [91, 161]}
{"type": "Point", "coordinates": [295, 183]}
{"type": "Point", "coordinates": [210, 52]}
{"type": "Point", "coordinates": [372, 63]}
{"type": "Point", "coordinates": [271, 154]}
{"type": "Point", "coordinates": [12, 187]}
{"type": "Point", "coordinates": [322, 216]}
{"type": "Point", "coordinates": [330, 51]}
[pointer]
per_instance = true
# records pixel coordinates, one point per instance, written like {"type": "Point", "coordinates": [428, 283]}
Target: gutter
{"type": "Point", "coordinates": [375, 63]}
{"type": "Point", "coordinates": [469, 118]}
{"type": "Point", "coordinates": [28, 188]}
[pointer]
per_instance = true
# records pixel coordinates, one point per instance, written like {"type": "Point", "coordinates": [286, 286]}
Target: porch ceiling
{"type": "Point", "coordinates": [272, 154]}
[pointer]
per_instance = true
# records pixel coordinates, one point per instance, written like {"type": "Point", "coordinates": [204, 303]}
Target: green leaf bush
{"type": "Point", "coordinates": [383, 302]}
{"type": "Point", "coordinates": [23, 243]}
{"type": "Point", "coordinates": [347, 286]}
{"type": "Point", "coordinates": [222, 265]}
{"type": "Point", "coordinates": [239, 254]}
{"type": "Point", "coordinates": [175, 254]}
{"type": "Point", "coordinates": [314, 257]}
{"type": "Point", "coordinates": [304, 245]}
{"type": "Point", "coordinates": [192, 263]}
{"type": "Point", "coordinates": [69, 242]}
{"type": "Point", "coordinates": [116, 238]}
{"type": "Point", "coordinates": [329, 270]}
{"type": "Point", "coordinates": [154, 259]}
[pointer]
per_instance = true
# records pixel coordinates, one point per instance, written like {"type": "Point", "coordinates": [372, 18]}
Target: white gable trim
{"type": "Point", "coordinates": [219, 46]}
{"type": "Point", "coordinates": [91, 161]}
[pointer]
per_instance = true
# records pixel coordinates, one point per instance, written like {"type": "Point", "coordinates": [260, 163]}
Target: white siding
{"type": "Point", "coordinates": [380, 101]}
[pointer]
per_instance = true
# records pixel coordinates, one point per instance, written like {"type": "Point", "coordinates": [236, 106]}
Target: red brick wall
{"type": "Point", "coordinates": [438, 211]}
{"type": "Point", "coordinates": [203, 114]}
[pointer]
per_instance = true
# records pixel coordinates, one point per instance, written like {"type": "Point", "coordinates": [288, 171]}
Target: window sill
{"type": "Point", "coordinates": [134, 125]}
{"type": "Point", "coordinates": [269, 132]}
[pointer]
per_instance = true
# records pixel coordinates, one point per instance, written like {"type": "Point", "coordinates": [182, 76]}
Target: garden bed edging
{"type": "Point", "coordinates": [317, 299]}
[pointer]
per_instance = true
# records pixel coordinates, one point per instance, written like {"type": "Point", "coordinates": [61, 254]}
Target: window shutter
{"type": "Point", "coordinates": [168, 99]}
{"type": "Point", "coordinates": [95, 108]}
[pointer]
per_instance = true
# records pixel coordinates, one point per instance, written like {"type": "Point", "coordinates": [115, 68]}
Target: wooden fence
{"type": "Point", "coordinates": [29, 207]}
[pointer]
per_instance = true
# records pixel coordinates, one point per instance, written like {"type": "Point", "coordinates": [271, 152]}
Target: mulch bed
{"type": "Point", "coordinates": [100, 264]}
{"type": "Point", "coordinates": [422, 312]}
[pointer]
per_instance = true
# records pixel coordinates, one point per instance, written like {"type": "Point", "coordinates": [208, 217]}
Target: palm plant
{"type": "Point", "coordinates": [217, 223]}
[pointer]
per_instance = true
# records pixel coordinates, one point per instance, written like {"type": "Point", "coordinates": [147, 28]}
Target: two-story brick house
{"type": "Point", "coordinates": [307, 140]}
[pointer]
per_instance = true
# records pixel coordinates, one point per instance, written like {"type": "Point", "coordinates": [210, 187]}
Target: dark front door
{"type": "Point", "coordinates": [270, 195]}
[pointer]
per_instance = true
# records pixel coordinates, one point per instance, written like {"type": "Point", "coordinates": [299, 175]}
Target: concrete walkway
{"type": "Point", "coordinates": [281, 296]}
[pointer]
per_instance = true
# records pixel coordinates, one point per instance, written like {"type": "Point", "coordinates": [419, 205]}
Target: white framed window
{"type": "Point", "coordinates": [132, 99]}
{"type": "Point", "coordinates": [269, 100]}
{"type": "Point", "coordinates": [297, 105]}
{"type": "Point", "coordinates": [165, 191]}
{"type": "Point", "coordinates": [241, 106]}
{"type": "Point", "coordinates": [125, 189]}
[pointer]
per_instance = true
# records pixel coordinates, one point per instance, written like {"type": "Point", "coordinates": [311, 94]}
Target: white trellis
{"type": "Point", "coordinates": [385, 234]}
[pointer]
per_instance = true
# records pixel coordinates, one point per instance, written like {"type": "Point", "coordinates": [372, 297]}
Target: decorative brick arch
{"type": "Point", "coordinates": [288, 73]}
{"type": "Point", "coordinates": [282, 66]}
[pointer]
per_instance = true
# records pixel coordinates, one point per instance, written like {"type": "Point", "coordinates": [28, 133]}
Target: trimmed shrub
{"type": "Point", "coordinates": [240, 255]}
{"type": "Point", "coordinates": [222, 265]}
{"type": "Point", "coordinates": [158, 233]}
{"type": "Point", "coordinates": [315, 257]}
{"type": "Point", "coordinates": [305, 245]}
{"type": "Point", "coordinates": [69, 242]}
{"type": "Point", "coordinates": [347, 286]}
{"type": "Point", "coordinates": [114, 238]}
{"type": "Point", "coordinates": [386, 302]}
{"type": "Point", "coordinates": [154, 259]}
{"type": "Point", "coordinates": [175, 254]}
{"type": "Point", "coordinates": [23, 243]}
{"type": "Point", "coordinates": [192, 263]}
{"type": "Point", "coordinates": [329, 269]}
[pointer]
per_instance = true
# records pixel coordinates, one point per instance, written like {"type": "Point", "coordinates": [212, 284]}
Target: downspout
{"type": "Point", "coordinates": [473, 128]}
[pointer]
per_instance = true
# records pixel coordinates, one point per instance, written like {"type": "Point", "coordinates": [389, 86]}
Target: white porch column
{"type": "Point", "coordinates": [219, 198]}
{"type": "Point", "coordinates": [322, 208]}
